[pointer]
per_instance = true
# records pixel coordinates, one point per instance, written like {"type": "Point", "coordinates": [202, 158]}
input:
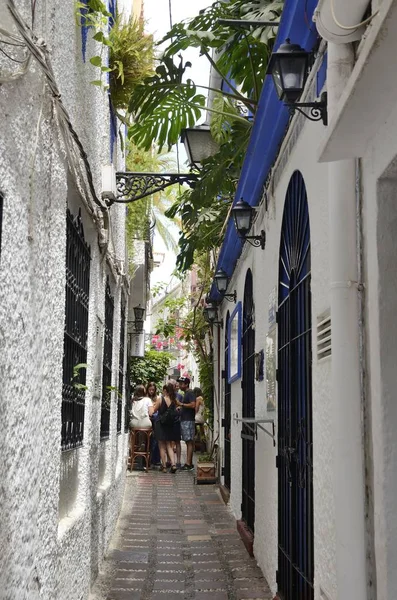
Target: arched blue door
{"type": "Point", "coordinates": [248, 384]}
{"type": "Point", "coordinates": [295, 441]}
{"type": "Point", "coordinates": [227, 413]}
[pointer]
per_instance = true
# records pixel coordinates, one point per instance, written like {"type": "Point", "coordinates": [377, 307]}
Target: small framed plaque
{"type": "Point", "coordinates": [234, 340]}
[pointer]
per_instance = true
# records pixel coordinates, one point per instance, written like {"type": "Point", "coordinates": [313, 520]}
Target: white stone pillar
{"type": "Point", "coordinates": [349, 483]}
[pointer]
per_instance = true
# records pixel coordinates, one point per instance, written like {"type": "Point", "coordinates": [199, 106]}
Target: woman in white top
{"type": "Point", "coordinates": [141, 410]}
{"type": "Point", "coordinates": [199, 418]}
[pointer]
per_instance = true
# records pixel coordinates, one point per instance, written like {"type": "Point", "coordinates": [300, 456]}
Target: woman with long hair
{"type": "Point", "coordinates": [141, 409]}
{"type": "Point", "coordinates": [167, 428]}
{"type": "Point", "coordinates": [151, 392]}
{"type": "Point", "coordinates": [199, 417]}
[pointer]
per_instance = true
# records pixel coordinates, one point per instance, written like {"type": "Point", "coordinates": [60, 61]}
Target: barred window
{"type": "Point", "coordinates": [121, 365]}
{"type": "Point", "coordinates": [78, 260]}
{"type": "Point", "coordinates": [127, 404]}
{"type": "Point", "coordinates": [107, 363]}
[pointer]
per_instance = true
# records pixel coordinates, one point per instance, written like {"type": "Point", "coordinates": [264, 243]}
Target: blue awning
{"type": "Point", "coordinates": [269, 128]}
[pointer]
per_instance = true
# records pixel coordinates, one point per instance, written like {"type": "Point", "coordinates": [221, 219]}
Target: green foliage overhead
{"type": "Point", "coordinates": [151, 367]}
{"type": "Point", "coordinates": [149, 211]}
{"type": "Point", "coordinates": [183, 318]}
{"type": "Point", "coordinates": [126, 52]}
{"type": "Point", "coordinates": [131, 59]}
{"type": "Point", "coordinates": [168, 102]}
{"type": "Point", "coordinates": [204, 210]}
{"type": "Point", "coordinates": [243, 54]}
{"type": "Point", "coordinates": [160, 97]}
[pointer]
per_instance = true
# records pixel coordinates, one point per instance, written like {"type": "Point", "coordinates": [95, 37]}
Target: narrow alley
{"type": "Point", "coordinates": [175, 539]}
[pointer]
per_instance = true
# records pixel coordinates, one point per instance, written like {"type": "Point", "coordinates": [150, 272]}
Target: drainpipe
{"type": "Point", "coordinates": [330, 14]}
{"type": "Point", "coordinates": [349, 481]}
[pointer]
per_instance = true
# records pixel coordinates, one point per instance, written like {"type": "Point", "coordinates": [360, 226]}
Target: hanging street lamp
{"type": "Point", "coordinates": [289, 67]}
{"type": "Point", "coordinates": [243, 215]}
{"type": "Point", "coordinates": [137, 324]}
{"type": "Point", "coordinates": [139, 312]}
{"type": "Point", "coordinates": [211, 315]}
{"type": "Point", "coordinates": [221, 280]}
{"type": "Point", "coordinates": [199, 144]}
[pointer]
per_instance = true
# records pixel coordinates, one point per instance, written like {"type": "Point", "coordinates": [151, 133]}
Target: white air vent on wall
{"type": "Point", "coordinates": [324, 335]}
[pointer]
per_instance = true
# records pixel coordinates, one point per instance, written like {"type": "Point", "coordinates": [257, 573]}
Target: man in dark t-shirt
{"type": "Point", "coordinates": [188, 413]}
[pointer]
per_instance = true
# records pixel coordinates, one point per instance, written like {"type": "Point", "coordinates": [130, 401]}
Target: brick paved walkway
{"type": "Point", "coordinates": [177, 541]}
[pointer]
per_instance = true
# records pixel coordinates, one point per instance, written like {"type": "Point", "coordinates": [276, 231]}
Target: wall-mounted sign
{"type": "Point", "coordinates": [234, 341]}
{"type": "Point", "coordinates": [137, 344]}
{"type": "Point", "coordinates": [259, 364]}
{"type": "Point", "coordinates": [271, 370]}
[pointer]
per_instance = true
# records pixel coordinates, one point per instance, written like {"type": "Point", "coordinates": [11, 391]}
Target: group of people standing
{"type": "Point", "coordinates": [173, 414]}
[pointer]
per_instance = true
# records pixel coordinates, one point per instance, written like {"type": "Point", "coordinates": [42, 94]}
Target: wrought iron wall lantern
{"type": "Point", "coordinates": [289, 67]}
{"type": "Point", "coordinates": [124, 187]}
{"type": "Point", "coordinates": [211, 315]}
{"type": "Point", "coordinates": [221, 280]}
{"type": "Point", "coordinates": [243, 215]}
{"type": "Point", "coordinates": [199, 144]}
{"type": "Point", "coordinates": [137, 325]}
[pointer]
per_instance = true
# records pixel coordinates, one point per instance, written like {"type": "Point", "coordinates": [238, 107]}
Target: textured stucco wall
{"type": "Point", "coordinates": [264, 265]}
{"type": "Point", "coordinates": [57, 515]}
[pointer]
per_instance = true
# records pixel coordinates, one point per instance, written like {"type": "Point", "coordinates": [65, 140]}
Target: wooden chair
{"type": "Point", "coordinates": [140, 446]}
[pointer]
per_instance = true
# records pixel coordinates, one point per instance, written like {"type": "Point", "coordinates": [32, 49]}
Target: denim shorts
{"type": "Point", "coordinates": [188, 430]}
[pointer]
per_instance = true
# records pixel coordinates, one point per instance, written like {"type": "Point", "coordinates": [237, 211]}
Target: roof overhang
{"type": "Point", "coordinates": [370, 94]}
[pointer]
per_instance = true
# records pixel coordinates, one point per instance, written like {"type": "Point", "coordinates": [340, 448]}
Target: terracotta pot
{"type": "Point", "coordinates": [206, 472]}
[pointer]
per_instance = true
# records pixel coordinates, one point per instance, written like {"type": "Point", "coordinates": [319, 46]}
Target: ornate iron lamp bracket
{"type": "Point", "coordinates": [256, 240]}
{"type": "Point", "coordinates": [133, 186]}
{"type": "Point", "coordinates": [230, 297]}
{"type": "Point", "coordinates": [318, 110]}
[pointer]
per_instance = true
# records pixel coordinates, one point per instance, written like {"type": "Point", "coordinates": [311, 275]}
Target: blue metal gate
{"type": "Point", "coordinates": [295, 442]}
{"type": "Point", "coordinates": [248, 385]}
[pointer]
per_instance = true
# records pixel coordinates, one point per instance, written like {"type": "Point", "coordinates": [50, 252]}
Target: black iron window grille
{"type": "Point", "coordinates": [78, 260]}
{"type": "Point", "coordinates": [120, 394]}
{"type": "Point", "coordinates": [107, 363]}
{"type": "Point", "coordinates": [127, 404]}
{"type": "Point", "coordinates": [1, 216]}
{"type": "Point", "coordinates": [295, 574]}
{"type": "Point", "coordinates": [248, 387]}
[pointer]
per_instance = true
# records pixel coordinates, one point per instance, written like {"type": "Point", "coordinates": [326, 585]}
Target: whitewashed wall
{"type": "Point", "coordinates": [299, 155]}
{"type": "Point", "coordinates": [58, 510]}
{"type": "Point", "coordinates": [379, 185]}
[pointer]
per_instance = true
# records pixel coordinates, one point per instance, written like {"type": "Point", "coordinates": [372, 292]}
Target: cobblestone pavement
{"type": "Point", "coordinates": [177, 541]}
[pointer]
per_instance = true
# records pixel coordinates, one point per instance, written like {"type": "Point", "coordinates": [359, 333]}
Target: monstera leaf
{"type": "Point", "coordinates": [223, 120]}
{"type": "Point", "coordinates": [163, 106]}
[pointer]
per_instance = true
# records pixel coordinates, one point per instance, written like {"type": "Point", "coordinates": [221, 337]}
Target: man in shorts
{"type": "Point", "coordinates": [188, 413]}
{"type": "Point", "coordinates": [177, 447]}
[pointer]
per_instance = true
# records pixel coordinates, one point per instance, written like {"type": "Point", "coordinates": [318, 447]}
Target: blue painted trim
{"type": "Point", "coordinates": [113, 128]}
{"type": "Point", "coordinates": [84, 30]}
{"type": "Point", "coordinates": [112, 6]}
{"type": "Point", "coordinates": [270, 126]}
{"type": "Point", "coordinates": [236, 314]}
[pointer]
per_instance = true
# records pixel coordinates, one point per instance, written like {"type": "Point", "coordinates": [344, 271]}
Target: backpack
{"type": "Point", "coordinates": [168, 417]}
